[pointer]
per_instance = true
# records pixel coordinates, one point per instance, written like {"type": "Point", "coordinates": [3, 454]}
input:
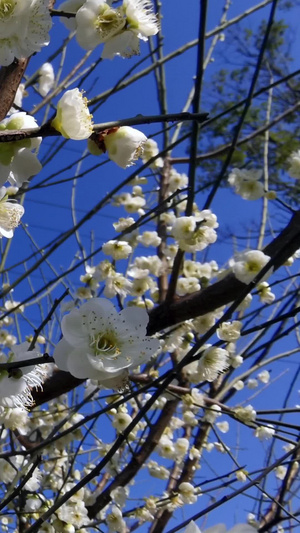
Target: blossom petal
{"type": "Point", "coordinates": [60, 355]}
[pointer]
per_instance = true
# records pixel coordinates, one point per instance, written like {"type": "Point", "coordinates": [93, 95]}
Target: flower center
{"type": "Point", "coordinates": [252, 266]}
{"type": "Point", "coordinates": [6, 8]}
{"type": "Point", "coordinates": [109, 22]}
{"type": "Point", "coordinates": [10, 215]}
{"type": "Point", "coordinates": [105, 344]}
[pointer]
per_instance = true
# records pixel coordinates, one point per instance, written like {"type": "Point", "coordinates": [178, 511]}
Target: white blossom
{"type": "Point", "coordinates": [213, 361]}
{"type": "Point", "coordinates": [265, 293]}
{"type": "Point", "coordinates": [100, 343]}
{"type": "Point", "coordinates": [294, 165]}
{"type": "Point", "coordinates": [151, 150]}
{"type": "Point", "coordinates": [264, 376]}
{"type": "Point", "coordinates": [194, 233]}
{"type": "Point", "coordinates": [117, 284]}
{"type": "Point", "coordinates": [124, 146]}
{"type": "Point", "coordinates": [223, 426]}
{"type": "Point", "coordinates": [24, 27]}
{"type": "Point", "coordinates": [140, 23]}
{"type": "Point", "coordinates": [280, 472]}
{"type": "Point", "coordinates": [14, 418]}
{"type": "Point", "coordinates": [73, 119]}
{"type": "Point", "coordinates": [177, 181]}
{"type": "Point", "coordinates": [187, 492]}
{"type": "Point", "coordinates": [123, 223]}
{"type": "Point", "coordinates": [17, 162]}
{"type": "Point", "coordinates": [212, 412]}
{"type": "Point", "coordinates": [115, 520]}
{"type": "Point", "coordinates": [245, 414]}
{"type": "Point", "coordinates": [229, 331]}
{"type": "Point", "coordinates": [181, 447]}
{"type": "Point", "coordinates": [70, 6]}
{"type": "Point", "coordinates": [246, 183]}
{"type": "Point", "coordinates": [158, 471]}
{"type": "Point", "coordinates": [166, 447]}
{"type": "Point", "coordinates": [121, 421]}
{"type": "Point", "coordinates": [187, 286]}
{"type": "Point", "coordinates": [252, 383]}
{"type": "Point", "coordinates": [97, 22]}
{"type": "Point", "coordinates": [117, 249]}
{"type": "Point", "coordinates": [241, 476]}
{"type": "Point", "coordinates": [15, 385]}
{"type": "Point", "coordinates": [149, 238]}
{"type": "Point", "coordinates": [10, 215]}
{"type": "Point", "coordinates": [249, 264]}
{"type": "Point", "coordinates": [238, 385]}
{"type": "Point", "coordinates": [46, 79]}
{"type": "Point", "coordinates": [264, 432]}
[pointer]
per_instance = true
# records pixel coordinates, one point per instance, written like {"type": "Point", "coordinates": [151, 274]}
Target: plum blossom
{"type": "Point", "coordinates": [70, 6]}
{"type": "Point", "coordinates": [15, 385]}
{"type": "Point", "coordinates": [125, 146]}
{"type": "Point", "coordinates": [151, 150]}
{"type": "Point", "coordinates": [73, 119]}
{"type": "Point", "coordinates": [294, 162]}
{"type": "Point", "coordinates": [229, 331]}
{"type": "Point", "coordinates": [100, 343]}
{"type": "Point", "coordinates": [97, 22]}
{"type": "Point", "coordinates": [115, 520]}
{"type": "Point", "coordinates": [245, 414]}
{"type": "Point", "coordinates": [117, 249]}
{"type": "Point", "coordinates": [194, 233]}
{"type": "Point", "coordinates": [24, 27]}
{"type": "Point", "coordinates": [120, 28]}
{"type": "Point", "coordinates": [46, 78]}
{"type": "Point", "coordinates": [264, 376]}
{"type": "Point", "coordinates": [246, 183]}
{"type": "Point", "coordinates": [265, 293]}
{"type": "Point", "coordinates": [17, 162]}
{"type": "Point", "coordinates": [187, 492]}
{"type": "Point", "coordinates": [149, 238]}
{"type": "Point", "coordinates": [141, 23]}
{"type": "Point", "coordinates": [264, 432]}
{"type": "Point", "coordinates": [10, 215]}
{"type": "Point", "coordinates": [212, 362]}
{"type": "Point", "coordinates": [248, 264]}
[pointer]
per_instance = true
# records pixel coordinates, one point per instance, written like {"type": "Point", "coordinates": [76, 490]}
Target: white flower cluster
{"type": "Point", "coordinates": [194, 233]}
{"type": "Point", "coordinates": [24, 27]}
{"type": "Point", "coordinates": [119, 29]}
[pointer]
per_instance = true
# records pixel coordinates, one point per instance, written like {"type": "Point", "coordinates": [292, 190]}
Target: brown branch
{"type": "Point", "coordinates": [274, 514]}
{"type": "Point", "coordinates": [226, 290]}
{"type": "Point", "coordinates": [137, 460]}
{"type": "Point", "coordinates": [48, 131]}
{"type": "Point", "coordinates": [10, 79]}
{"type": "Point", "coordinates": [187, 475]}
